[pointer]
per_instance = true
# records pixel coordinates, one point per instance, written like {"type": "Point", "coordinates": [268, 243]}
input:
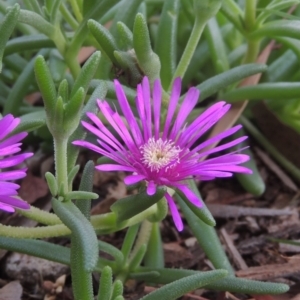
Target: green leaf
{"type": "Point", "coordinates": [87, 73]}
{"type": "Point", "coordinates": [252, 183]}
{"type": "Point", "coordinates": [82, 231]}
{"type": "Point", "coordinates": [274, 7]}
{"type": "Point", "coordinates": [31, 42]}
{"type": "Point", "coordinates": [231, 284]}
{"type": "Point", "coordinates": [37, 248]}
{"type": "Point", "coordinates": [147, 59]}
{"type": "Point", "coordinates": [46, 85]}
{"type": "Point", "coordinates": [104, 38]}
{"type": "Point", "coordinates": [36, 21]}
{"type": "Point", "coordinates": [20, 88]}
{"type": "Point", "coordinates": [275, 91]}
{"type": "Point", "coordinates": [231, 10]}
{"type": "Point", "coordinates": [81, 195]}
{"type": "Point", "coordinates": [105, 288]}
{"type": "Point", "coordinates": [184, 285]}
{"type": "Point", "coordinates": [52, 183]}
{"type": "Point", "coordinates": [286, 28]}
{"type": "Point", "coordinates": [117, 290]}
{"type": "Point", "coordinates": [31, 121]}
{"type": "Point", "coordinates": [72, 111]}
{"type": "Point", "coordinates": [126, 36]}
{"type": "Point", "coordinates": [129, 240]}
{"type": "Point", "coordinates": [216, 46]}
{"type": "Point", "coordinates": [136, 260]}
{"type": "Point", "coordinates": [166, 40]}
{"type": "Point", "coordinates": [63, 90]}
{"type": "Point", "coordinates": [154, 256]}
{"type": "Point", "coordinates": [71, 176]}
{"type": "Point", "coordinates": [113, 251]}
{"type": "Point", "coordinates": [134, 204]}
{"type": "Point", "coordinates": [126, 13]}
{"type": "Point", "coordinates": [282, 67]}
{"type": "Point", "coordinates": [6, 28]}
{"type": "Point", "coordinates": [202, 213]}
{"type": "Point", "coordinates": [218, 82]}
{"type": "Point", "coordinates": [86, 184]}
{"type": "Point", "coordinates": [57, 66]}
{"type": "Point", "coordinates": [79, 133]}
{"type": "Point", "coordinates": [129, 64]}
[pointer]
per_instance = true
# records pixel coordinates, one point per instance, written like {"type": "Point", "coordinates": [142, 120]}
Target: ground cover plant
{"type": "Point", "coordinates": [164, 93]}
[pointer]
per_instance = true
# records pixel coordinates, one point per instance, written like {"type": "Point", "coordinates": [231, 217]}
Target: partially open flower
{"type": "Point", "coordinates": [162, 151]}
{"type": "Point", "coordinates": [9, 146]}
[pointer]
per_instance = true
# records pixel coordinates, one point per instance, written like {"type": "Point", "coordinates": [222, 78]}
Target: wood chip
{"type": "Point", "coordinates": [268, 272]}
{"type": "Point", "coordinates": [233, 211]}
{"type": "Point", "coordinates": [234, 253]}
{"type": "Point", "coordinates": [11, 291]}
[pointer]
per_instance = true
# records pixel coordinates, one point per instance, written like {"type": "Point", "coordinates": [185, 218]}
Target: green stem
{"type": "Point", "coordinates": [76, 10]}
{"type": "Point", "coordinates": [252, 51]}
{"type": "Point", "coordinates": [34, 233]}
{"type": "Point", "coordinates": [143, 237]}
{"type": "Point", "coordinates": [105, 223]}
{"type": "Point", "coordinates": [189, 49]}
{"type": "Point", "coordinates": [72, 63]}
{"type": "Point", "coordinates": [40, 216]}
{"type": "Point", "coordinates": [250, 23]}
{"type": "Point", "coordinates": [68, 16]}
{"type": "Point", "coordinates": [250, 14]}
{"type": "Point", "coordinates": [60, 156]}
{"type": "Point", "coordinates": [289, 166]}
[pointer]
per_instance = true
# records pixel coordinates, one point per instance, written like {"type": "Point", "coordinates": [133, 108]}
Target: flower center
{"type": "Point", "coordinates": [158, 154]}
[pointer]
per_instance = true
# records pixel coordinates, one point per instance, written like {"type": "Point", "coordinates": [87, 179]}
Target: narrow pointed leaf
{"type": "Point", "coordinates": [132, 205]}
{"type": "Point", "coordinates": [81, 229]}
{"type": "Point", "coordinates": [221, 81]}
{"type": "Point", "coordinates": [182, 286]}
{"type": "Point", "coordinates": [7, 26]}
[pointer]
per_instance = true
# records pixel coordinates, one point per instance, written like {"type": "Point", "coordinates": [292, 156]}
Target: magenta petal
{"type": "Point", "coordinates": [174, 98]}
{"type": "Point", "coordinates": [13, 175]}
{"type": "Point", "coordinates": [6, 208]}
{"type": "Point", "coordinates": [151, 188]}
{"type": "Point", "coordinates": [112, 167]}
{"type": "Point", "coordinates": [7, 125]}
{"type": "Point", "coordinates": [17, 203]}
{"type": "Point", "coordinates": [175, 213]}
{"type": "Point", "coordinates": [132, 179]}
{"type": "Point", "coordinates": [190, 195]}
{"type": "Point", "coordinates": [157, 94]}
{"type": "Point", "coordinates": [13, 139]}
{"type": "Point", "coordinates": [14, 160]}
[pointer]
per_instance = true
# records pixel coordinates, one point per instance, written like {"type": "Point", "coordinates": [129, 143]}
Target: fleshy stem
{"type": "Point", "coordinates": [143, 237]}
{"type": "Point", "coordinates": [105, 223]}
{"type": "Point", "coordinates": [76, 10]}
{"type": "Point", "coordinates": [250, 23]}
{"type": "Point", "coordinates": [189, 49]}
{"type": "Point", "coordinates": [250, 14]}
{"type": "Point", "coordinates": [290, 167]}
{"type": "Point", "coordinates": [60, 156]}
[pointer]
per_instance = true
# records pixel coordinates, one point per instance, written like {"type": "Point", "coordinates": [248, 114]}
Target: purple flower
{"type": "Point", "coordinates": [9, 146]}
{"type": "Point", "coordinates": [160, 149]}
